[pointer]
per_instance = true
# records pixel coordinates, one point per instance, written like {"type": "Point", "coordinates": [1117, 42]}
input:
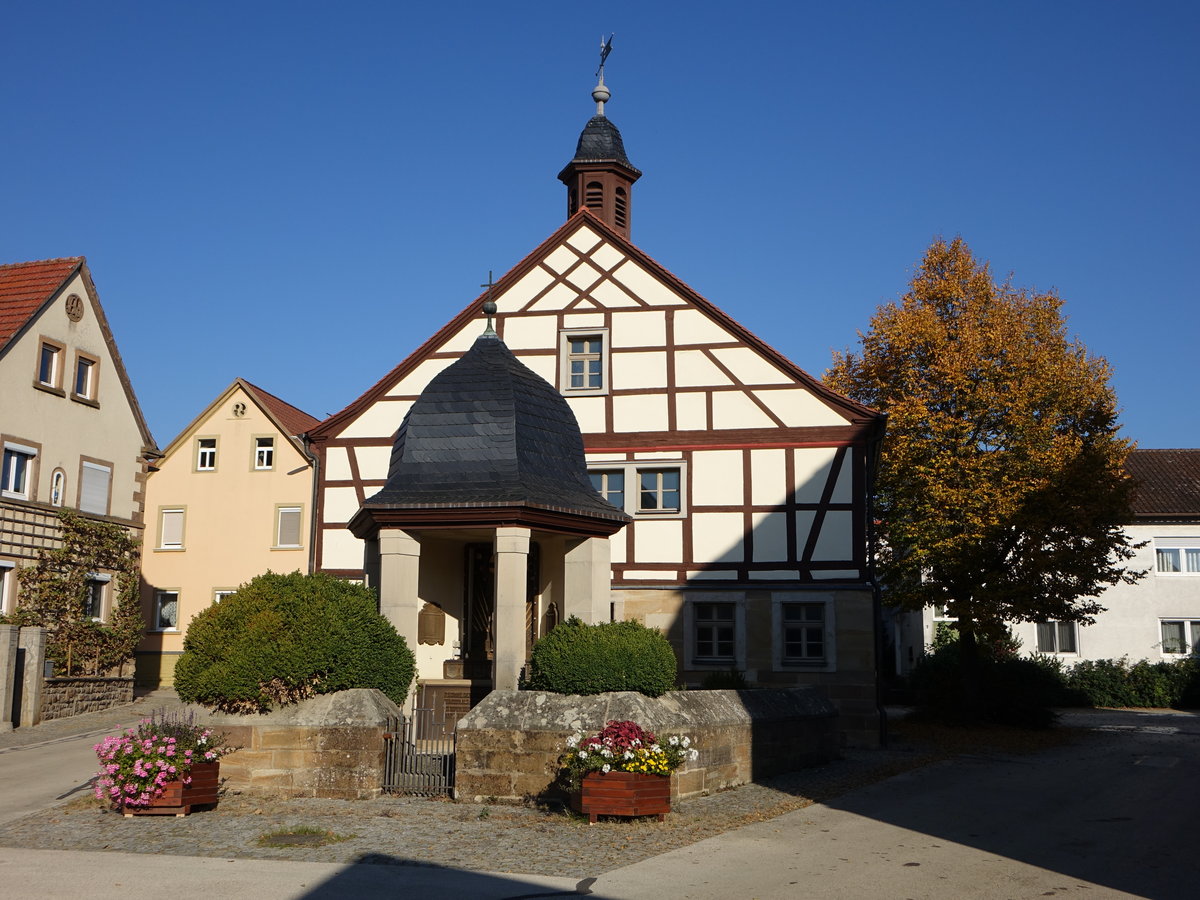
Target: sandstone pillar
{"type": "Point", "coordinates": [588, 580]}
{"type": "Point", "coordinates": [512, 573]}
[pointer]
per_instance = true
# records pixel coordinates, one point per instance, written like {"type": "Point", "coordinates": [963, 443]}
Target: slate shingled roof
{"type": "Point", "coordinates": [24, 287]}
{"type": "Point", "coordinates": [488, 431]}
{"type": "Point", "coordinates": [1168, 483]}
{"type": "Point", "coordinates": [600, 141]}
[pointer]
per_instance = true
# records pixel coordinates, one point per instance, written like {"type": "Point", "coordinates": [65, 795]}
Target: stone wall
{"type": "Point", "coordinates": [329, 746]}
{"type": "Point", "coordinates": [63, 697]}
{"type": "Point", "coordinates": [509, 745]}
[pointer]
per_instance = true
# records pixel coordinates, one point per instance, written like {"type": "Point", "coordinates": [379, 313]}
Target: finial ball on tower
{"type": "Point", "coordinates": [601, 94]}
{"type": "Point", "coordinates": [489, 308]}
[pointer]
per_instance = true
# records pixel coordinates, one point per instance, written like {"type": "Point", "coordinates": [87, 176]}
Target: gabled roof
{"type": "Point", "coordinates": [26, 287]}
{"type": "Point", "coordinates": [294, 421]}
{"type": "Point", "coordinates": [855, 411]}
{"type": "Point", "coordinates": [291, 421]}
{"type": "Point", "coordinates": [1168, 483]}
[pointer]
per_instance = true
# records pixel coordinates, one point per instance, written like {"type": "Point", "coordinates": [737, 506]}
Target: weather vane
{"type": "Point", "coordinates": [605, 49]}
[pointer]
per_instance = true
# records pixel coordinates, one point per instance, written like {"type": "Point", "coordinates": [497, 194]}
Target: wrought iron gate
{"type": "Point", "coordinates": [419, 755]}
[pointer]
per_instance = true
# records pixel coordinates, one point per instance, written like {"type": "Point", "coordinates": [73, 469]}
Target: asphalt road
{"type": "Point", "coordinates": [1110, 817]}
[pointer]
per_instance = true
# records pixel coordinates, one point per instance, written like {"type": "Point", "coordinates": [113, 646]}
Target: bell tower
{"type": "Point", "coordinates": [601, 176]}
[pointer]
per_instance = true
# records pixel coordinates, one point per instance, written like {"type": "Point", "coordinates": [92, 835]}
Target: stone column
{"type": "Point", "coordinates": [588, 580]}
{"type": "Point", "coordinates": [8, 674]}
{"type": "Point", "coordinates": [512, 568]}
{"type": "Point", "coordinates": [32, 644]}
{"type": "Point", "coordinates": [399, 578]}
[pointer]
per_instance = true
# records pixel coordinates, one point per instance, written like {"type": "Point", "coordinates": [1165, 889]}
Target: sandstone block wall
{"type": "Point", "coordinates": [63, 697]}
{"type": "Point", "coordinates": [509, 745]}
{"type": "Point", "coordinates": [330, 746]}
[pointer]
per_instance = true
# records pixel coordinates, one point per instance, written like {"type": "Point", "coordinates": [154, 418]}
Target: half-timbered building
{"type": "Point", "coordinates": [746, 481]}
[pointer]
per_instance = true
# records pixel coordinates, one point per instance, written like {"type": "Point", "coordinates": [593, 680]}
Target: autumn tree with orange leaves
{"type": "Point", "coordinates": [1001, 492]}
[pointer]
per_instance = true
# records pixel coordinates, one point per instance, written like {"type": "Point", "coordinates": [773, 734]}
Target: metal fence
{"type": "Point", "coordinates": [419, 755]}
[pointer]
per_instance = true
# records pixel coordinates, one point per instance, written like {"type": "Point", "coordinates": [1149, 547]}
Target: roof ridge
{"type": "Point", "coordinates": [41, 262]}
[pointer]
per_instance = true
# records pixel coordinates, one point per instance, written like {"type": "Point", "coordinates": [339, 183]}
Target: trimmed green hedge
{"type": "Point", "coordinates": [576, 658]}
{"type": "Point", "coordinates": [282, 638]}
{"type": "Point", "coordinates": [1117, 682]}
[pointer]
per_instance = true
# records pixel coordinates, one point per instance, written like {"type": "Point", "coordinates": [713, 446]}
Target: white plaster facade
{"type": "Point", "coordinates": [72, 434]}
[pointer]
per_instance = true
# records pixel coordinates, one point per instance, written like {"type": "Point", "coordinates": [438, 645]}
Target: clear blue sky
{"type": "Point", "coordinates": [300, 193]}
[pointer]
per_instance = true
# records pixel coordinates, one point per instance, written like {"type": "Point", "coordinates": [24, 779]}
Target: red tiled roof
{"type": "Point", "coordinates": [1168, 483]}
{"type": "Point", "coordinates": [24, 287]}
{"type": "Point", "coordinates": [295, 421]}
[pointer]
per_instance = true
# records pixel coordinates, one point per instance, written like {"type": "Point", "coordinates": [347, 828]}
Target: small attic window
{"type": "Point", "coordinates": [621, 201]}
{"type": "Point", "coordinates": [593, 196]}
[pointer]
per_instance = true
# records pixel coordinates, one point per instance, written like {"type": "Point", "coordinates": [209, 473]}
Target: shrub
{"type": "Point", "coordinates": [1116, 682]}
{"type": "Point", "coordinates": [576, 658]}
{"type": "Point", "coordinates": [1012, 690]}
{"type": "Point", "coordinates": [282, 638]}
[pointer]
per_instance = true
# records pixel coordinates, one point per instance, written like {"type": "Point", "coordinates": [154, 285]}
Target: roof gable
{"type": "Point", "coordinates": [26, 287]}
{"type": "Point", "coordinates": [290, 421]}
{"type": "Point", "coordinates": [597, 270]}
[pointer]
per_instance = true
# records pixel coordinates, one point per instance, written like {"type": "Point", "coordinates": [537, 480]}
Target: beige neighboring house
{"type": "Point", "coordinates": [72, 433]}
{"type": "Point", "coordinates": [230, 499]}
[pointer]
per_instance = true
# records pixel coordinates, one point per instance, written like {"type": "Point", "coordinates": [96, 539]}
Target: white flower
{"type": "Point", "coordinates": [673, 740]}
{"type": "Point", "coordinates": [606, 768]}
{"type": "Point", "coordinates": [583, 754]}
{"type": "Point", "coordinates": [687, 742]}
{"type": "Point", "coordinates": [629, 754]}
{"type": "Point", "coordinates": [655, 749]}
{"type": "Point", "coordinates": [573, 740]}
{"type": "Point", "coordinates": [694, 754]}
{"type": "Point", "coordinates": [606, 753]}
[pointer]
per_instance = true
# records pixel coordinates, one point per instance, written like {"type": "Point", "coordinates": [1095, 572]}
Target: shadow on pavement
{"type": "Point", "coordinates": [381, 875]}
{"type": "Point", "coordinates": [1116, 809]}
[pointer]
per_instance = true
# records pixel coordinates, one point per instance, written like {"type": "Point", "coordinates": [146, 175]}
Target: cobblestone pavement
{"type": "Point", "coordinates": [410, 831]}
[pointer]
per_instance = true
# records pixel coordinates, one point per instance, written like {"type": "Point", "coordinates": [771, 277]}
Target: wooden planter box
{"type": "Point", "coordinates": [623, 794]}
{"type": "Point", "coordinates": [179, 799]}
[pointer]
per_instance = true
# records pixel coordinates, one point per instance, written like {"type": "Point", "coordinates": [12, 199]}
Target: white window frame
{"type": "Point", "coordinates": [58, 487]}
{"type": "Point", "coordinates": [691, 622]}
{"type": "Point", "coordinates": [1186, 551]}
{"type": "Point", "coordinates": [1073, 627]}
{"type": "Point", "coordinates": [280, 510]}
{"type": "Point", "coordinates": [159, 596]}
{"type": "Point", "coordinates": [103, 581]}
{"type": "Point", "coordinates": [566, 357]}
{"type": "Point", "coordinates": [206, 457]}
{"type": "Point", "coordinates": [779, 661]}
{"type": "Point", "coordinates": [8, 482]}
{"type": "Point", "coordinates": [8, 586]}
{"type": "Point", "coordinates": [632, 470]}
{"type": "Point", "coordinates": [56, 350]}
{"type": "Point", "coordinates": [264, 454]}
{"type": "Point", "coordinates": [220, 594]}
{"type": "Point", "coordinates": [1190, 636]}
{"type": "Point", "coordinates": [163, 512]}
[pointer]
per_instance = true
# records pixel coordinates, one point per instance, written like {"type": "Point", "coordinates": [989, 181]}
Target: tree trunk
{"type": "Point", "coordinates": [970, 670]}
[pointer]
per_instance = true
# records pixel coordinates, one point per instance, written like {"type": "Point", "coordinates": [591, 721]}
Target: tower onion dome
{"type": "Point", "coordinates": [600, 141]}
{"type": "Point", "coordinates": [489, 432]}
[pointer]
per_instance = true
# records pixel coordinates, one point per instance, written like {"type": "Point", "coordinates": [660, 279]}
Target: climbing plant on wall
{"type": "Point", "coordinates": [55, 592]}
